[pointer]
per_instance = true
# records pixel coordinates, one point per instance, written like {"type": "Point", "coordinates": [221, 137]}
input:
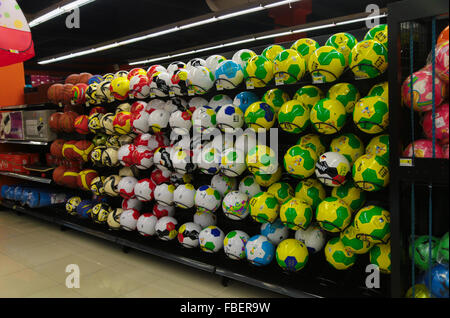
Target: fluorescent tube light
{"type": "Point", "coordinates": [242, 12]}
{"type": "Point", "coordinates": [194, 24]}
{"type": "Point", "coordinates": [280, 3]}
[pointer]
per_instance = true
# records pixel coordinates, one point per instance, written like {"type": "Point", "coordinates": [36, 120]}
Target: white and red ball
{"type": "Point", "coordinates": [128, 219]}
{"type": "Point", "coordinates": [126, 187]}
{"type": "Point", "coordinates": [146, 224]}
{"type": "Point", "coordinates": [143, 157]}
{"type": "Point", "coordinates": [143, 190]}
{"type": "Point", "coordinates": [160, 210]}
{"type": "Point", "coordinates": [125, 155]}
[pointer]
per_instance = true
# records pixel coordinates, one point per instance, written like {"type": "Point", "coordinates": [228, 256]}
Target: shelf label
{"type": "Point", "coordinates": [152, 95]}
{"type": "Point", "coordinates": [191, 92]}
{"type": "Point", "coordinates": [406, 162]}
{"type": "Point", "coordinates": [249, 85]}
{"type": "Point", "coordinates": [171, 93]}
{"type": "Point", "coordinates": [279, 80]}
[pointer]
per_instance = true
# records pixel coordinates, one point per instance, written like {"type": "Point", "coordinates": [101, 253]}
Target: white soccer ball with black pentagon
{"type": "Point", "coordinates": [176, 103]}
{"type": "Point", "coordinates": [223, 183]}
{"type": "Point", "coordinates": [182, 160]}
{"type": "Point", "coordinates": [229, 118]}
{"type": "Point", "coordinates": [166, 228]}
{"type": "Point", "coordinates": [207, 199]}
{"type": "Point", "coordinates": [163, 194]}
{"type": "Point", "coordinates": [180, 122]}
{"type": "Point", "coordinates": [143, 190]}
{"type": "Point", "coordinates": [128, 219]}
{"type": "Point", "coordinates": [126, 187]}
{"type": "Point", "coordinates": [146, 224]}
{"type": "Point", "coordinates": [234, 244]}
{"type": "Point", "coordinates": [249, 186]}
{"type": "Point", "coordinates": [183, 196]}
{"type": "Point", "coordinates": [195, 62]}
{"type": "Point", "coordinates": [188, 234]}
{"type": "Point", "coordinates": [205, 218]}
{"type": "Point", "coordinates": [211, 239]}
{"type": "Point", "coordinates": [161, 158]}
{"type": "Point", "coordinates": [175, 66]}
{"type": "Point", "coordinates": [235, 205]}
{"type": "Point", "coordinates": [142, 158]}
{"type": "Point", "coordinates": [208, 160]}
{"type": "Point", "coordinates": [233, 162]}
{"type": "Point", "coordinates": [132, 203]}
{"type": "Point", "coordinates": [332, 169]}
{"type": "Point", "coordinates": [217, 101]}
{"type": "Point", "coordinates": [160, 83]}
{"type": "Point", "coordinates": [275, 232]}
{"type": "Point", "coordinates": [313, 237]}
{"type": "Point", "coordinates": [158, 120]}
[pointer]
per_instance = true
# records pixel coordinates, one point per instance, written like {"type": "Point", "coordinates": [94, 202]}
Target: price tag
{"type": "Point", "coordinates": [317, 79]}
{"type": "Point", "coordinates": [87, 104]}
{"type": "Point", "coordinates": [191, 92]}
{"type": "Point", "coordinates": [131, 96]}
{"type": "Point", "coordinates": [171, 93]}
{"type": "Point", "coordinates": [406, 162]}
{"type": "Point", "coordinates": [72, 102]}
{"type": "Point", "coordinates": [152, 95]}
{"type": "Point", "coordinates": [219, 87]}
{"type": "Point", "coordinates": [60, 104]}
{"type": "Point", "coordinates": [249, 85]}
{"type": "Point", "coordinates": [279, 80]}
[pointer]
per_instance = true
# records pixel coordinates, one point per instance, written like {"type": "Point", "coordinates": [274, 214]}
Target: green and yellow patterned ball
{"type": "Point", "coordinates": [371, 114]}
{"type": "Point", "coordinates": [338, 256]}
{"type": "Point", "coordinates": [373, 223]}
{"type": "Point", "coordinates": [378, 33]}
{"type": "Point", "coordinates": [313, 141]}
{"type": "Point", "coordinates": [311, 191]}
{"type": "Point", "coordinates": [264, 207]}
{"type": "Point", "coordinates": [258, 71]}
{"type": "Point", "coordinates": [381, 89]}
{"type": "Point", "coordinates": [291, 255]}
{"type": "Point", "coordinates": [355, 245]}
{"type": "Point", "coordinates": [346, 93]}
{"type": "Point", "coordinates": [370, 173]}
{"type": "Point", "coordinates": [309, 95]}
{"type": "Point", "coordinates": [289, 66]}
{"type": "Point", "coordinates": [333, 214]}
{"type": "Point", "coordinates": [275, 98]}
{"type": "Point", "coordinates": [300, 161]}
{"type": "Point", "coordinates": [328, 116]}
{"type": "Point", "coordinates": [379, 146]}
{"type": "Point", "coordinates": [326, 64]}
{"type": "Point", "coordinates": [282, 191]}
{"type": "Point", "coordinates": [343, 42]}
{"type": "Point", "coordinates": [305, 47]}
{"type": "Point", "coordinates": [350, 194]}
{"type": "Point", "coordinates": [368, 59]}
{"type": "Point", "coordinates": [262, 159]}
{"type": "Point", "coordinates": [266, 180]}
{"type": "Point", "coordinates": [296, 214]}
{"type": "Point", "coordinates": [380, 255]}
{"type": "Point", "coordinates": [349, 145]}
{"type": "Point", "coordinates": [272, 51]}
{"type": "Point", "coordinates": [259, 116]}
{"type": "Point", "coordinates": [293, 117]}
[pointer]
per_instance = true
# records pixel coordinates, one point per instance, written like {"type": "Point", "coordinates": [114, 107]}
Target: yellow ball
{"type": "Point", "coordinates": [381, 89]}
{"type": "Point", "coordinates": [371, 114]}
{"type": "Point", "coordinates": [350, 194]}
{"type": "Point", "coordinates": [370, 173]}
{"type": "Point", "coordinates": [349, 145]}
{"type": "Point", "coordinates": [326, 64]}
{"type": "Point", "coordinates": [373, 223]}
{"type": "Point", "coordinates": [338, 256]}
{"type": "Point", "coordinates": [368, 59]}
{"type": "Point", "coordinates": [272, 51]}
{"type": "Point", "coordinates": [328, 116]}
{"type": "Point", "coordinates": [291, 255]}
{"type": "Point", "coordinates": [309, 95]}
{"type": "Point", "coordinates": [266, 180]}
{"type": "Point", "coordinates": [305, 47]}
{"type": "Point", "coordinates": [346, 93]}
{"type": "Point", "coordinates": [300, 161]}
{"type": "Point", "coordinates": [343, 42]}
{"type": "Point", "coordinates": [264, 207]}
{"type": "Point", "coordinates": [289, 66]}
{"type": "Point", "coordinates": [333, 215]}
{"type": "Point", "coordinates": [311, 191]}
{"type": "Point", "coordinates": [259, 116]}
{"type": "Point", "coordinates": [262, 159]}
{"type": "Point", "coordinates": [380, 255]}
{"type": "Point", "coordinates": [282, 191]}
{"type": "Point", "coordinates": [296, 214]}
{"type": "Point", "coordinates": [258, 71]}
{"type": "Point", "coordinates": [313, 141]}
{"type": "Point", "coordinates": [293, 117]}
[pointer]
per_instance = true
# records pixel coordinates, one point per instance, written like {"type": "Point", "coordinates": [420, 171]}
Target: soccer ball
{"type": "Point", "coordinates": [195, 62]}
{"type": "Point", "coordinates": [140, 86]}
{"type": "Point", "coordinates": [96, 155]}
{"type": "Point", "coordinates": [207, 198]}
{"type": "Point", "coordinates": [262, 159]}
{"type": "Point", "coordinates": [421, 251]}
{"type": "Point", "coordinates": [259, 115]}
{"type": "Point", "coordinates": [378, 33]}
{"type": "Point", "coordinates": [120, 88]}
{"type": "Point", "coordinates": [235, 205]}
{"type": "Point", "coordinates": [313, 237]}
{"type": "Point", "coordinates": [132, 203]}
{"type": "Point", "coordinates": [213, 61]}
{"type": "Point", "coordinates": [282, 191]}
{"type": "Point", "coordinates": [258, 71]}
{"type": "Point", "coordinates": [338, 256]}
{"type": "Point", "coordinates": [114, 219]}
{"type": "Point", "coordinates": [146, 224]}
{"type": "Point", "coordinates": [245, 99]}
{"type": "Point", "coordinates": [373, 223]}
{"type": "Point", "coordinates": [161, 158]}
{"type": "Point", "coordinates": [309, 95]}
{"type": "Point", "coordinates": [441, 124]}
{"type": "Point", "coordinates": [122, 123]}
{"type": "Point", "coordinates": [176, 103]}
{"type": "Point", "coordinates": [381, 89]}
{"type": "Point", "coordinates": [311, 191]}
{"type": "Point", "coordinates": [272, 51]}
{"type": "Point", "coordinates": [423, 148]}
{"type": "Point", "coordinates": [107, 123]}
{"type": "Point", "coordinates": [333, 215]}
{"type": "Point", "coordinates": [188, 234]}
{"type": "Point", "coordinates": [97, 185]}
{"type": "Point", "coordinates": [343, 42]}
{"type": "Point", "coordinates": [355, 245]}
{"type": "Point", "coordinates": [200, 80]}
{"type": "Point", "coordinates": [182, 160]}
{"type": "Point", "coordinates": [368, 59]}
{"type": "Point", "coordinates": [380, 255]}
{"type": "Point", "coordinates": [300, 161]}
{"type": "Point", "coordinates": [177, 65]}
{"type": "Point", "coordinates": [163, 194]}
{"type": "Point", "coordinates": [379, 146]}
{"type": "Point", "coordinates": [91, 92]}
{"type": "Point", "coordinates": [313, 141]}
{"type": "Point", "coordinates": [208, 160]}
{"type": "Point", "coordinates": [370, 173]}
{"type": "Point", "coordinates": [249, 186]}
{"type": "Point", "coordinates": [289, 67]}
{"type": "Point", "coordinates": [126, 187]}
{"type": "Point", "coordinates": [128, 219]}
{"type": "Point", "coordinates": [139, 122]}
{"type": "Point", "coordinates": [275, 232]}
{"type": "Point", "coordinates": [166, 228]}
{"type": "Point", "coordinates": [111, 185]}
{"type": "Point", "coordinates": [181, 122]}
{"type": "Point", "coordinates": [266, 180]}
{"type": "Point", "coordinates": [94, 122]}
{"type": "Point", "coordinates": [242, 56]}
{"type": "Point", "coordinates": [259, 250]}
{"type": "Point", "coordinates": [326, 64]}
{"type": "Point", "coordinates": [305, 47]}
{"type": "Point", "coordinates": [275, 98]}
{"type": "Point", "coordinates": [264, 207]}
{"type": "Point", "coordinates": [229, 118]}
{"type": "Point", "coordinates": [350, 194]}
{"type": "Point", "coordinates": [332, 169]}
{"type": "Point", "coordinates": [158, 120]}
{"type": "Point", "coordinates": [442, 64]}
{"type": "Point", "coordinates": [124, 155]}
{"type": "Point", "coordinates": [160, 83]}
{"type": "Point", "coordinates": [293, 117]}
{"type": "Point", "coordinates": [72, 204]}
{"type": "Point", "coordinates": [346, 93]}
{"type": "Point", "coordinates": [296, 214]}
{"type": "Point", "coordinates": [349, 145]}
{"type": "Point", "coordinates": [142, 158]}
{"type": "Point", "coordinates": [183, 196]}
{"type": "Point", "coordinates": [229, 74]}
{"type": "Point", "coordinates": [223, 183]}
{"type": "Point", "coordinates": [218, 100]}
{"type": "Point", "coordinates": [179, 82]}
{"type": "Point", "coordinates": [204, 119]}
{"type": "Point", "coordinates": [160, 210]}
{"type": "Point", "coordinates": [233, 162]}
{"type": "Point", "coordinates": [234, 244]}
{"type": "Point", "coordinates": [205, 218]}
{"type": "Point", "coordinates": [143, 190]}
{"type": "Point", "coordinates": [292, 255]}
{"type": "Point", "coordinates": [328, 116]}
{"type": "Point", "coordinates": [211, 239]}
{"type": "Point", "coordinates": [103, 93]}
{"type": "Point", "coordinates": [371, 114]}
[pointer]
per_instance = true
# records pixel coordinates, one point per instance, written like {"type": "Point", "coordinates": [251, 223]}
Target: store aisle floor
{"type": "Point", "coordinates": [34, 255]}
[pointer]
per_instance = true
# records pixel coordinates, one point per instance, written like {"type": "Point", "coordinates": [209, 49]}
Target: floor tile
{"type": "Point", "coordinates": [24, 283]}
{"type": "Point", "coordinates": [8, 265]}
{"type": "Point", "coordinates": [59, 291]}
{"type": "Point", "coordinates": [166, 289]}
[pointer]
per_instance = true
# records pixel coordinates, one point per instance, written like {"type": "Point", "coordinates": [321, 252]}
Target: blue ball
{"type": "Point", "coordinates": [95, 79]}
{"type": "Point", "coordinates": [84, 209]}
{"type": "Point", "coordinates": [439, 280]}
{"type": "Point", "coordinates": [4, 191]}
{"type": "Point", "coordinates": [264, 248]}
{"type": "Point", "coordinates": [245, 99]}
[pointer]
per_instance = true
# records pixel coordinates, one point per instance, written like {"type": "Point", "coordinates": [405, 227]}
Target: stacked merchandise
{"type": "Point", "coordinates": [32, 196]}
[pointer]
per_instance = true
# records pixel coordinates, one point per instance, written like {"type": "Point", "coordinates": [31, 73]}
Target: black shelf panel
{"type": "Point", "coordinates": [26, 177]}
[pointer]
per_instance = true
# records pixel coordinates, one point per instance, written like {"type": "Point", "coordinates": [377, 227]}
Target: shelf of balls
{"type": "Point", "coordinates": [318, 279]}
{"type": "Point", "coordinates": [26, 177]}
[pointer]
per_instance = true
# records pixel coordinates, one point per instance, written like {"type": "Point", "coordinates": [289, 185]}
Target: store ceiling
{"type": "Point", "coordinates": [105, 20]}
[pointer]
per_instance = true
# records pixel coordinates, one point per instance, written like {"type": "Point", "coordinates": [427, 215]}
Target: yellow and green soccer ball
{"type": "Point", "coordinates": [289, 66]}
{"type": "Point", "coordinates": [300, 161]}
{"type": "Point", "coordinates": [379, 146]}
{"type": "Point", "coordinates": [370, 173]}
{"type": "Point", "coordinates": [326, 64]}
{"type": "Point", "coordinates": [371, 114]}
{"type": "Point", "coordinates": [368, 59]}
{"type": "Point", "coordinates": [373, 223]}
{"type": "Point", "coordinates": [355, 245]}
{"type": "Point", "coordinates": [305, 47]}
{"type": "Point", "coordinates": [275, 98]}
{"type": "Point", "coordinates": [262, 159]}
{"type": "Point", "coordinates": [381, 89]}
{"type": "Point", "coordinates": [293, 117]}
{"type": "Point", "coordinates": [311, 191]}
{"type": "Point", "coordinates": [349, 145]}
{"type": "Point", "coordinates": [272, 51]}
{"type": "Point", "coordinates": [338, 256]}
{"type": "Point", "coordinates": [313, 141]}
{"type": "Point", "coordinates": [333, 214]}
{"type": "Point", "coordinates": [309, 95]}
{"type": "Point", "coordinates": [380, 255]}
{"type": "Point", "coordinates": [350, 194]}
{"type": "Point", "coordinates": [291, 255]}
{"type": "Point", "coordinates": [343, 42]}
{"type": "Point", "coordinates": [328, 116]}
{"type": "Point", "coordinates": [264, 207]}
{"type": "Point", "coordinates": [259, 116]}
{"type": "Point", "coordinates": [378, 33]}
{"type": "Point", "coordinates": [258, 71]}
{"type": "Point", "coordinates": [346, 93]}
{"type": "Point", "coordinates": [282, 191]}
{"type": "Point", "coordinates": [296, 214]}
{"type": "Point", "coordinates": [265, 179]}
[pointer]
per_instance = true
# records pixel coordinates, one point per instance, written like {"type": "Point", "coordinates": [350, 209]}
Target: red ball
{"type": "Point", "coordinates": [83, 148]}
{"type": "Point", "coordinates": [73, 79]}
{"type": "Point", "coordinates": [70, 177]}
{"type": "Point", "coordinates": [67, 121]}
{"type": "Point", "coordinates": [79, 93]}
{"type": "Point", "coordinates": [159, 176]}
{"type": "Point", "coordinates": [58, 174]}
{"type": "Point", "coordinates": [97, 109]}
{"type": "Point", "coordinates": [54, 122]}
{"type": "Point", "coordinates": [81, 124]}
{"type": "Point", "coordinates": [57, 147]}
{"type": "Point", "coordinates": [67, 94]}
{"type": "Point", "coordinates": [85, 178]}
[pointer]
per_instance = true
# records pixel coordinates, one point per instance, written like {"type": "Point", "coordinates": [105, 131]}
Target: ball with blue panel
{"type": "Point", "coordinates": [244, 99]}
{"type": "Point", "coordinates": [259, 250]}
{"type": "Point", "coordinates": [229, 74]}
{"type": "Point", "coordinates": [275, 232]}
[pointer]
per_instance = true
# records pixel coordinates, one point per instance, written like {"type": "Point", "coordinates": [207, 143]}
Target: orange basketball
{"type": "Point", "coordinates": [68, 121]}
{"type": "Point", "coordinates": [85, 178]}
{"type": "Point", "coordinates": [67, 94]}
{"type": "Point", "coordinates": [58, 174]}
{"type": "Point", "coordinates": [81, 125]}
{"type": "Point", "coordinates": [83, 148]}
{"type": "Point", "coordinates": [54, 121]}
{"type": "Point", "coordinates": [57, 147]}
{"type": "Point", "coordinates": [53, 92]}
{"type": "Point", "coordinates": [70, 178]}
{"type": "Point", "coordinates": [73, 79]}
{"type": "Point", "coordinates": [443, 36]}
{"type": "Point", "coordinates": [68, 151]}
{"type": "Point", "coordinates": [84, 78]}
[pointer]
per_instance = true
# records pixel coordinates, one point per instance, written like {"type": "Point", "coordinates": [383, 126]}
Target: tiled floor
{"type": "Point", "coordinates": [34, 255]}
